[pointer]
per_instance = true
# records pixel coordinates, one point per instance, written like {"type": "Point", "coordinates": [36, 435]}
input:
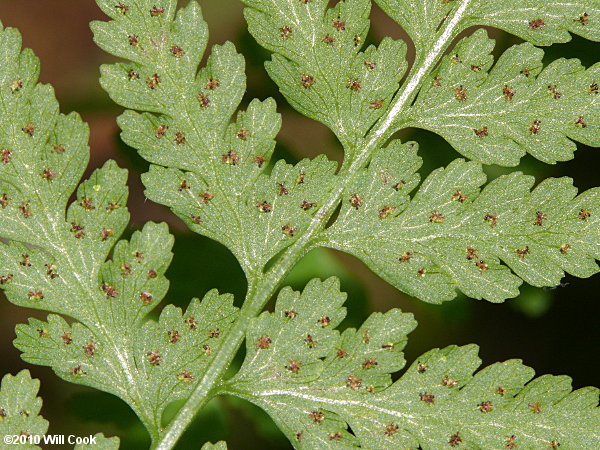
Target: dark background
{"type": "Point", "coordinates": [554, 330]}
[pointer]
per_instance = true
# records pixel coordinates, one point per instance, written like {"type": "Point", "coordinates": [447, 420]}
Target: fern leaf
{"type": "Point", "coordinates": [539, 23]}
{"type": "Point", "coordinates": [494, 118]}
{"type": "Point", "coordinates": [164, 359]}
{"type": "Point", "coordinates": [327, 390]}
{"type": "Point", "coordinates": [255, 220]}
{"type": "Point", "coordinates": [55, 260]}
{"type": "Point", "coordinates": [319, 66]}
{"type": "Point", "coordinates": [20, 413]}
{"type": "Point", "coordinates": [208, 170]}
{"type": "Point", "coordinates": [455, 235]}
{"type": "Point", "coordinates": [221, 445]}
{"type": "Point", "coordinates": [497, 114]}
{"type": "Point", "coordinates": [20, 406]}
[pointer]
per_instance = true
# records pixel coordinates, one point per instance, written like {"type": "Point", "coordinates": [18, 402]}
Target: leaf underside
{"type": "Point", "coordinates": [55, 259]}
{"type": "Point", "coordinates": [455, 235]}
{"type": "Point", "coordinates": [497, 114]}
{"type": "Point", "coordinates": [321, 67]}
{"type": "Point", "coordinates": [541, 23]}
{"type": "Point", "coordinates": [213, 170]}
{"type": "Point", "coordinates": [327, 389]}
{"type": "Point", "coordinates": [213, 181]}
{"type": "Point", "coordinates": [19, 412]}
{"type": "Point", "coordinates": [212, 173]}
{"type": "Point", "coordinates": [494, 118]}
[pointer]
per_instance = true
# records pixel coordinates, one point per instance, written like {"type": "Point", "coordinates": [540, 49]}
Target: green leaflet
{"type": "Point", "coordinates": [455, 235]}
{"type": "Point", "coordinates": [19, 413]}
{"type": "Point", "coordinates": [37, 277]}
{"type": "Point", "coordinates": [319, 66]}
{"type": "Point", "coordinates": [208, 170]}
{"type": "Point", "coordinates": [149, 367]}
{"type": "Point", "coordinates": [55, 259]}
{"type": "Point", "coordinates": [462, 103]}
{"type": "Point", "coordinates": [319, 385]}
{"type": "Point", "coordinates": [497, 114]}
{"type": "Point", "coordinates": [18, 394]}
{"type": "Point", "coordinates": [42, 153]}
{"type": "Point", "coordinates": [256, 221]}
{"type": "Point", "coordinates": [541, 23]}
{"type": "Point", "coordinates": [221, 445]}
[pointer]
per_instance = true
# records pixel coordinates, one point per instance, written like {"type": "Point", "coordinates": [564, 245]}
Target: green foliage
{"type": "Point", "coordinates": [317, 383]}
{"type": "Point", "coordinates": [18, 394]}
{"type": "Point", "coordinates": [19, 413]}
{"type": "Point", "coordinates": [493, 117]}
{"type": "Point", "coordinates": [319, 66]}
{"type": "Point", "coordinates": [211, 164]}
{"type": "Point", "coordinates": [56, 260]}
{"type": "Point", "coordinates": [541, 23]}
{"type": "Point", "coordinates": [218, 446]}
{"type": "Point", "coordinates": [162, 359]}
{"type": "Point", "coordinates": [497, 114]}
{"type": "Point", "coordinates": [452, 235]}
{"type": "Point", "coordinates": [215, 180]}
{"type": "Point", "coordinates": [455, 235]}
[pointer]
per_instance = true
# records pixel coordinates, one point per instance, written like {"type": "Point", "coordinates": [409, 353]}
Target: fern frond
{"type": "Point", "coordinates": [211, 172]}
{"type": "Point", "coordinates": [456, 235]}
{"type": "Point", "coordinates": [321, 388]}
{"type": "Point", "coordinates": [541, 23]}
{"type": "Point", "coordinates": [20, 406]}
{"type": "Point", "coordinates": [321, 67]}
{"type": "Point", "coordinates": [498, 114]}
{"type": "Point", "coordinates": [20, 415]}
{"type": "Point", "coordinates": [330, 390]}
{"type": "Point", "coordinates": [55, 255]}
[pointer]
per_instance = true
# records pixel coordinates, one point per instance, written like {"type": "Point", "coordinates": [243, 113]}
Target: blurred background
{"type": "Point", "coordinates": [553, 330]}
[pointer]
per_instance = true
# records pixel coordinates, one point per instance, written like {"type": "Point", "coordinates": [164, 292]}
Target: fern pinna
{"type": "Point", "coordinates": [212, 166]}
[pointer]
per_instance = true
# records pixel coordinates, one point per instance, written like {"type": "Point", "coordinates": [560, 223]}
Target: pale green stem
{"type": "Point", "coordinates": [260, 293]}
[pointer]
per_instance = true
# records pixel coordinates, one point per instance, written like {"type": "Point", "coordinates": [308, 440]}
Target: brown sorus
{"type": "Point", "coordinates": [293, 366]}
{"type": "Point", "coordinates": [427, 398]}
{"type": "Point", "coordinates": [535, 127]}
{"type": "Point", "coordinates": [536, 23]}
{"type": "Point", "coordinates": [153, 81]}
{"type": "Point", "coordinates": [212, 84]}
{"type": "Point", "coordinates": [355, 201]}
{"type": "Point", "coordinates": [174, 336]}
{"type": "Point", "coordinates": [185, 376]}
{"type": "Point", "coordinates": [285, 32]}
{"type": "Point", "coordinates": [508, 93]}
{"type": "Point", "coordinates": [339, 25]}
{"type": "Point", "coordinates": [157, 12]}
{"type": "Point", "coordinates": [307, 81]}
{"type": "Point", "coordinates": [481, 132]}
{"type": "Point", "coordinates": [154, 358]}
{"type": "Point", "coordinates": [231, 158]}
{"type": "Point", "coordinates": [263, 342]}
{"type": "Point", "coordinates": [485, 407]}
{"type": "Point", "coordinates": [353, 382]}
{"type": "Point", "coordinates": [316, 416]}
{"type": "Point", "coordinates": [455, 440]}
